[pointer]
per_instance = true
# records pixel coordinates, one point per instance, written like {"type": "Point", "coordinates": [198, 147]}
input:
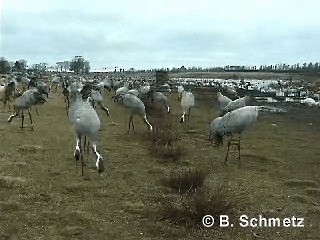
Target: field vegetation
{"type": "Point", "coordinates": [160, 185]}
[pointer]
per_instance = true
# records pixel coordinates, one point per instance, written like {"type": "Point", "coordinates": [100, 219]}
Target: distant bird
{"type": "Point", "coordinates": [136, 107]}
{"type": "Point", "coordinates": [97, 98]}
{"type": "Point", "coordinates": [92, 90]}
{"type": "Point", "coordinates": [231, 90]}
{"type": "Point", "coordinates": [234, 122]}
{"type": "Point", "coordinates": [55, 82]}
{"type": "Point", "coordinates": [143, 90]}
{"type": "Point", "coordinates": [310, 102]}
{"type": "Point", "coordinates": [23, 103]}
{"type": "Point", "coordinates": [223, 101]}
{"type": "Point", "coordinates": [65, 85]}
{"type": "Point", "coordinates": [187, 101]}
{"type": "Point", "coordinates": [86, 123]}
{"type": "Point", "coordinates": [180, 89]}
{"type": "Point", "coordinates": [160, 98]}
{"type": "Point", "coordinates": [9, 93]}
{"type": "Point", "coordinates": [120, 92]}
{"type": "Point", "coordinates": [43, 88]}
{"type": "Point", "coordinates": [134, 92]}
{"type": "Point", "coordinates": [238, 103]}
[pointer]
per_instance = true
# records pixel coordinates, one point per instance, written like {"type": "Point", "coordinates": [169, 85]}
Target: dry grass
{"type": "Point", "coordinates": [313, 192]}
{"type": "Point", "coordinates": [44, 196]}
{"type": "Point", "coordinates": [185, 181]}
{"type": "Point", "coordinates": [189, 209]}
{"type": "Point", "coordinates": [301, 183]}
{"type": "Point", "coordinates": [165, 141]}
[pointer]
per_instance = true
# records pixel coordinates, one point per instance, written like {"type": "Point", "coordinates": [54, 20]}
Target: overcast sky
{"type": "Point", "coordinates": [147, 34]}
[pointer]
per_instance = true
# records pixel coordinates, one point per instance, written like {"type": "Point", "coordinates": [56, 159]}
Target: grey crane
{"type": "Point", "coordinates": [55, 82]}
{"type": "Point", "coordinates": [160, 98]}
{"type": "Point", "coordinates": [234, 122]}
{"type": "Point", "coordinates": [65, 85]}
{"type": "Point", "coordinates": [121, 91]}
{"type": "Point", "coordinates": [187, 101]}
{"type": "Point", "coordinates": [29, 98]}
{"type": "Point", "coordinates": [86, 123]}
{"type": "Point", "coordinates": [97, 98]}
{"type": "Point", "coordinates": [92, 90]}
{"type": "Point", "coordinates": [223, 101]}
{"type": "Point", "coordinates": [10, 92]}
{"type": "Point", "coordinates": [235, 104]}
{"type": "Point", "coordinates": [133, 92]}
{"type": "Point", "coordinates": [136, 107]}
{"type": "Point", "coordinates": [180, 89]}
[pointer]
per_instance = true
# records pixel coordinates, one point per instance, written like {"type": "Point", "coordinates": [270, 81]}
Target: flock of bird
{"type": "Point", "coordinates": [81, 95]}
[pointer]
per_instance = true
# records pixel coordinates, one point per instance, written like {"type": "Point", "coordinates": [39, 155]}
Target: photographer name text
{"type": "Point", "coordinates": [254, 222]}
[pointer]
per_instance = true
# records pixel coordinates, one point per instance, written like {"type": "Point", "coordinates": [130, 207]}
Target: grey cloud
{"type": "Point", "coordinates": [113, 37]}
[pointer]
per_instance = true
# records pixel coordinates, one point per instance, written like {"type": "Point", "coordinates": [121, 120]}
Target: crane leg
{"type": "Point", "coordinates": [82, 161]}
{"type": "Point", "coordinates": [145, 120]}
{"type": "Point", "coordinates": [168, 109]}
{"type": "Point", "coordinates": [101, 105]}
{"type": "Point", "coordinates": [22, 119]}
{"type": "Point", "coordinates": [79, 154]}
{"type": "Point", "coordinates": [229, 143]}
{"type": "Point", "coordinates": [86, 144]}
{"type": "Point", "coordinates": [13, 116]}
{"type": "Point", "coordinates": [131, 121]}
{"type": "Point", "coordinates": [99, 162]}
{"type": "Point", "coordinates": [30, 117]}
{"type": "Point", "coordinates": [239, 156]}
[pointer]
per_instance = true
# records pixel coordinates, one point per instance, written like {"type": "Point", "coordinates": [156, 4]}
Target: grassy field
{"type": "Point", "coordinates": [44, 196]}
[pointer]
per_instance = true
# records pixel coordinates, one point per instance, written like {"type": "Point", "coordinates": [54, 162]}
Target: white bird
{"type": "Point", "coordinates": [121, 91]}
{"type": "Point", "coordinates": [187, 101]}
{"type": "Point", "coordinates": [235, 122]}
{"type": "Point", "coordinates": [143, 90]}
{"type": "Point", "coordinates": [231, 90]}
{"type": "Point", "coordinates": [97, 98]}
{"type": "Point", "coordinates": [23, 103]}
{"type": "Point", "coordinates": [223, 101]}
{"type": "Point", "coordinates": [86, 123]}
{"type": "Point", "coordinates": [160, 98]}
{"type": "Point", "coordinates": [310, 102]}
{"type": "Point", "coordinates": [134, 92]}
{"type": "Point", "coordinates": [180, 89]}
{"type": "Point", "coordinates": [136, 107]}
{"type": "Point", "coordinates": [238, 103]}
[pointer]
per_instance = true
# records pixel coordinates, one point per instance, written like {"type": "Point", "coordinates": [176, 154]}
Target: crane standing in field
{"type": "Point", "coordinates": [223, 101]}
{"type": "Point", "coordinates": [233, 105]}
{"type": "Point", "coordinates": [136, 107]}
{"type": "Point", "coordinates": [187, 101]}
{"type": "Point", "coordinates": [9, 93]}
{"type": "Point", "coordinates": [234, 122]}
{"type": "Point", "coordinates": [85, 122]}
{"type": "Point", "coordinates": [160, 99]}
{"type": "Point", "coordinates": [29, 98]}
{"type": "Point", "coordinates": [180, 89]}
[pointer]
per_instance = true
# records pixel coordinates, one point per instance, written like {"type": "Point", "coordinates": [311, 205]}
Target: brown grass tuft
{"type": "Point", "coordinates": [30, 148]}
{"type": "Point", "coordinates": [188, 210]}
{"type": "Point", "coordinates": [165, 139]}
{"type": "Point", "coordinates": [185, 181]}
{"type": "Point", "coordinates": [313, 191]}
{"type": "Point", "coordinates": [301, 183]}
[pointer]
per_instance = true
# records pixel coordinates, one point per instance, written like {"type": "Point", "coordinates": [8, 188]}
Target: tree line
{"type": "Point", "coordinates": [78, 65]}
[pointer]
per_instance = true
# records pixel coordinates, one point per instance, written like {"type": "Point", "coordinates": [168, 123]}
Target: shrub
{"type": "Point", "coordinates": [188, 210]}
{"type": "Point", "coordinates": [165, 139]}
{"type": "Point", "coordinates": [185, 181]}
